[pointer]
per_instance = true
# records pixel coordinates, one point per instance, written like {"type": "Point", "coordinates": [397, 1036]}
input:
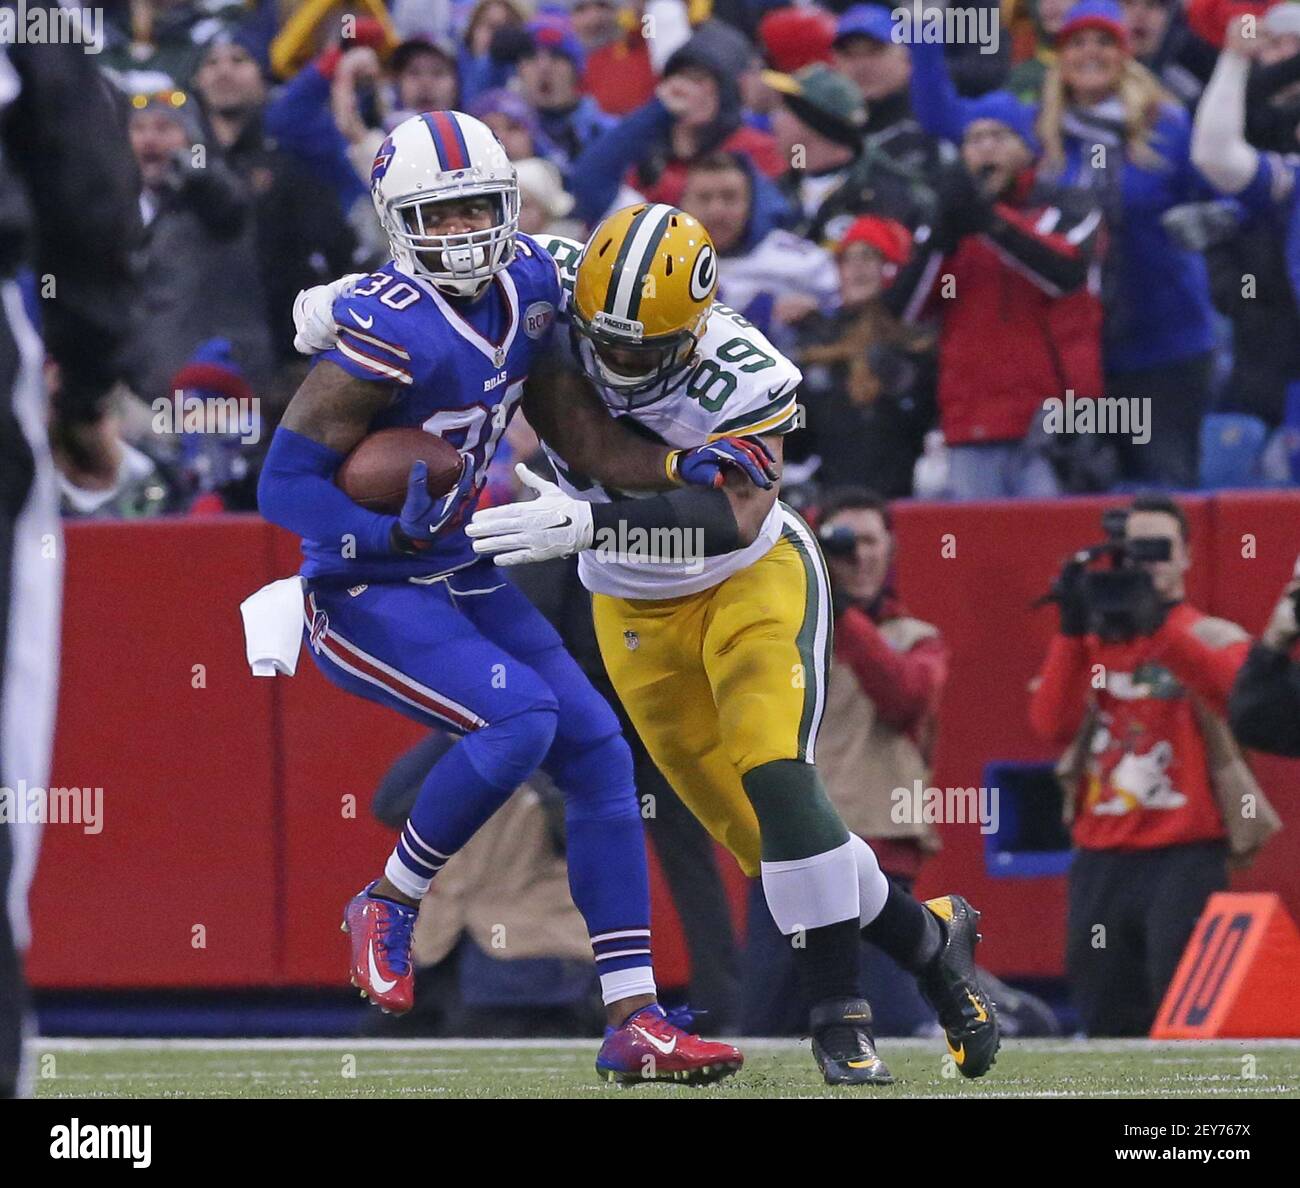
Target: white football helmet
{"type": "Point", "coordinates": [436, 157]}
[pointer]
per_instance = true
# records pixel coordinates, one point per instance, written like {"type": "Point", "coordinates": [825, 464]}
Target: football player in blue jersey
{"type": "Point", "coordinates": [400, 609]}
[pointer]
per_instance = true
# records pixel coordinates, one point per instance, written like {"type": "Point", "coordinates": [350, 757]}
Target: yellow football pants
{"type": "Point", "coordinates": [720, 682]}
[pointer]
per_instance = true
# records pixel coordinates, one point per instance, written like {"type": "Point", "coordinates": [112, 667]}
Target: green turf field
{"type": "Point", "coordinates": [369, 1068]}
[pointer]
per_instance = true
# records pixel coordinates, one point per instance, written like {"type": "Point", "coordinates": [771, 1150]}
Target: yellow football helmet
{"type": "Point", "coordinates": [641, 299]}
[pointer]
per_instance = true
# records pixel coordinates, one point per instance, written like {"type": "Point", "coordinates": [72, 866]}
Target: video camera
{"type": "Point", "coordinates": [837, 540]}
{"type": "Point", "coordinates": [1118, 596]}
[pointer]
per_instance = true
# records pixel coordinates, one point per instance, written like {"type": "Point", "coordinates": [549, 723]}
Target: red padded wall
{"type": "Point", "coordinates": [188, 773]}
{"type": "Point", "coordinates": [224, 805]}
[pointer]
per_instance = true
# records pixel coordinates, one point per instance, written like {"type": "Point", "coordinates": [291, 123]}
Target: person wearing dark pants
{"type": "Point", "coordinates": [1178, 396]}
{"type": "Point", "coordinates": [1130, 917]}
{"type": "Point", "coordinates": [67, 212]}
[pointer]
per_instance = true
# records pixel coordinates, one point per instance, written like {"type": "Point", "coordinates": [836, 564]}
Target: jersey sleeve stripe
{"type": "Point", "coordinates": [373, 341]}
{"type": "Point", "coordinates": [759, 420]}
{"type": "Point", "coordinates": [378, 366]}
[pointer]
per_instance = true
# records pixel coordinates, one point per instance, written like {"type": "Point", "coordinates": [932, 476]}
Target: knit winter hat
{"type": "Point", "coordinates": [554, 32]}
{"type": "Point", "coordinates": [212, 371]}
{"type": "Point", "coordinates": [890, 238]}
{"type": "Point", "coordinates": [176, 105]}
{"type": "Point", "coordinates": [1105, 15]}
{"type": "Point", "coordinates": [1006, 109]}
{"type": "Point", "coordinates": [866, 20]}
{"type": "Point", "coordinates": [793, 37]}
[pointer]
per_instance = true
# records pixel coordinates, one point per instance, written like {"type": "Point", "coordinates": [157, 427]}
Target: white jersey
{"type": "Point", "coordinates": [780, 264]}
{"type": "Point", "coordinates": [738, 383]}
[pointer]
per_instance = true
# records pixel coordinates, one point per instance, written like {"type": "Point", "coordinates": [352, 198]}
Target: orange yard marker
{"type": "Point", "coordinates": [1237, 975]}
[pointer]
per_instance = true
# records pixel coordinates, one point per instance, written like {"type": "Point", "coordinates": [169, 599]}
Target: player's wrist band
{"type": "Point", "coordinates": [405, 544]}
{"type": "Point", "coordinates": [671, 463]}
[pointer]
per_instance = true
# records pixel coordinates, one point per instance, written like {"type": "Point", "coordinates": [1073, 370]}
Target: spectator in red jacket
{"type": "Point", "coordinates": [1144, 719]}
{"type": "Point", "coordinates": [620, 74]}
{"type": "Point", "coordinates": [1006, 267]}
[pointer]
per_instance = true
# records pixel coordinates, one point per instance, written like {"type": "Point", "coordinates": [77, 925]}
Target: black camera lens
{"type": "Point", "coordinates": [838, 540]}
{"type": "Point", "coordinates": [1150, 548]}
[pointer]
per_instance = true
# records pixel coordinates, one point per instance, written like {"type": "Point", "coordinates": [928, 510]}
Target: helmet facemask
{"type": "Point", "coordinates": [621, 362]}
{"type": "Point", "coordinates": [460, 265]}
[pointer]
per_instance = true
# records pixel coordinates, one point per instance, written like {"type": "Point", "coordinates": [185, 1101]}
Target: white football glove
{"type": "Point", "coordinates": [313, 314]}
{"type": "Point", "coordinates": [552, 525]}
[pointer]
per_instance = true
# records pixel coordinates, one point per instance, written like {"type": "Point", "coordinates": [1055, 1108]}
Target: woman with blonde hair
{"type": "Point", "coordinates": [1108, 127]}
{"type": "Point", "coordinates": [868, 376]}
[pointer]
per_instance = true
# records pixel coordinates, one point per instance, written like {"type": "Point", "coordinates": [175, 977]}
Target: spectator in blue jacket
{"type": "Point", "coordinates": [494, 33]}
{"type": "Point", "coordinates": [550, 80]}
{"type": "Point", "coordinates": [1107, 126]}
{"type": "Point", "coordinates": [322, 113]}
{"type": "Point", "coordinates": [697, 110]}
{"type": "Point", "coordinates": [516, 125]}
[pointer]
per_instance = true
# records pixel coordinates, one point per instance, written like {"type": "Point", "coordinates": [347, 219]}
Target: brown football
{"type": "Point", "coordinates": [375, 474]}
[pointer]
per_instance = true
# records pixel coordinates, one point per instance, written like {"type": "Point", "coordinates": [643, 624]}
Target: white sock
{"type": "Point", "coordinates": [399, 874]}
{"type": "Point", "coordinates": [627, 983]}
{"type": "Point", "coordinates": [873, 887]}
{"type": "Point", "coordinates": [812, 892]}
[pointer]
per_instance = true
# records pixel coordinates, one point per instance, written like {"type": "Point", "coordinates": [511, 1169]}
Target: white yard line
{"type": "Point", "coordinates": [756, 1044]}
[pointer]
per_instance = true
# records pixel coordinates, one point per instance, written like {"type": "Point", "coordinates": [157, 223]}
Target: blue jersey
{"type": "Point", "coordinates": [458, 371]}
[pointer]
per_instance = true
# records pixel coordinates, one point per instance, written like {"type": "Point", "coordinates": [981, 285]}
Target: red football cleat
{"type": "Point", "coordinates": [381, 950]}
{"type": "Point", "coordinates": [650, 1047]}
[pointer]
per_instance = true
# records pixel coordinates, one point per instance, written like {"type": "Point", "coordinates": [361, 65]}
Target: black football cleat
{"type": "Point", "coordinates": [949, 984]}
{"type": "Point", "coordinates": [843, 1046]}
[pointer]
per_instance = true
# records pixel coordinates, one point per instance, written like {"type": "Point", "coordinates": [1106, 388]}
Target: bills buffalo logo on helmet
{"type": "Point", "coordinates": [383, 159]}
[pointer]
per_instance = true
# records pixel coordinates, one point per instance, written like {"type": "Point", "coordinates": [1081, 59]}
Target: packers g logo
{"type": "Point", "coordinates": [703, 274]}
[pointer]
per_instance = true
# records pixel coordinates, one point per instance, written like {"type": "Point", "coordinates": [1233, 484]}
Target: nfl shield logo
{"type": "Point", "coordinates": [632, 640]}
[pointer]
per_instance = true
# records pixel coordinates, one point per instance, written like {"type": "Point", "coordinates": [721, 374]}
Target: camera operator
{"type": "Point", "coordinates": [882, 698]}
{"type": "Point", "coordinates": [1159, 797]}
{"type": "Point", "coordinates": [1265, 704]}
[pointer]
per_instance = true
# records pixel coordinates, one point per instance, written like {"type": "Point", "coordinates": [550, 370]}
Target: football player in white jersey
{"type": "Point", "coordinates": [712, 610]}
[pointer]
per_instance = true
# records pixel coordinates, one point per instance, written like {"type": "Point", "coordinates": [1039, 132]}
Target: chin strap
{"type": "Point", "coordinates": [455, 294]}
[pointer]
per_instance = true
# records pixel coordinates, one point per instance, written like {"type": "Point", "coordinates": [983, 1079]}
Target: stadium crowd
{"type": "Point", "coordinates": [1049, 252]}
{"type": "Point", "coordinates": [948, 238]}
